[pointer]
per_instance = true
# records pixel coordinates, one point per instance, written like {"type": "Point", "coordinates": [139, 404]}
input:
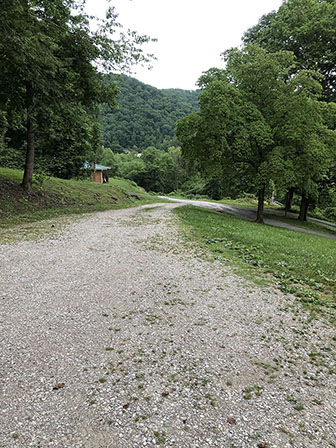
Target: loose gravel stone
{"type": "Point", "coordinates": [154, 345]}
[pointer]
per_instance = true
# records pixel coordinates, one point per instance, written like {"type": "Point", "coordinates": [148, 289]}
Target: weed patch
{"type": "Point", "coordinates": [296, 263]}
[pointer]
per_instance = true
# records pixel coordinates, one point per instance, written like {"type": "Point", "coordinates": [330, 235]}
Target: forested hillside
{"type": "Point", "coordinates": [263, 124]}
{"type": "Point", "coordinates": [146, 116]}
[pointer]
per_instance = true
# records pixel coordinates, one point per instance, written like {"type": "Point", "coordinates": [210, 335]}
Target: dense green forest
{"type": "Point", "coordinates": [264, 124]}
{"type": "Point", "coordinates": [145, 116]}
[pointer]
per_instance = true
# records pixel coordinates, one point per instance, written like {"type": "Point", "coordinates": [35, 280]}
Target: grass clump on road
{"type": "Point", "coordinates": [297, 263]}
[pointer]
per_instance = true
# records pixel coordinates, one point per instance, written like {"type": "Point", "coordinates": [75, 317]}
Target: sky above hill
{"type": "Point", "coordinates": [191, 33]}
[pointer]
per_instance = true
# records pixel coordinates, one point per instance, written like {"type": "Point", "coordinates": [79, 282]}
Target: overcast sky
{"type": "Point", "coordinates": [191, 33]}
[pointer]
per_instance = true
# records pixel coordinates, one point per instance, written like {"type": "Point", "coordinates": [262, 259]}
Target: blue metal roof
{"type": "Point", "coordinates": [102, 167]}
{"type": "Point", "coordinates": [89, 166]}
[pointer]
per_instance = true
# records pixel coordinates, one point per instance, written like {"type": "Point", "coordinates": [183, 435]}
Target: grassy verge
{"type": "Point", "coordinates": [272, 211]}
{"type": "Point", "coordinates": [242, 202]}
{"type": "Point", "coordinates": [295, 262]}
{"type": "Point", "coordinates": [57, 197]}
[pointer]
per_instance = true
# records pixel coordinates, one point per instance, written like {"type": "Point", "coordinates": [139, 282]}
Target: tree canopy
{"type": "Point", "coordinates": [145, 116]}
{"type": "Point", "coordinates": [51, 81]}
{"type": "Point", "coordinates": [259, 122]}
{"type": "Point", "coordinates": [307, 28]}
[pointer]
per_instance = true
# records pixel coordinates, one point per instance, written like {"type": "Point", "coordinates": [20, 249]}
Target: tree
{"type": "Point", "coordinates": [288, 102]}
{"type": "Point", "coordinates": [228, 136]}
{"type": "Point", "coordinates": [306, 143]}
{"type": "Point", "coordinates": [179, 165]}
{"type": "Point", "coordinates": [158, 172]}
{"type": "Point", "coordinates": [48, 65]}
{"type": "Point", "coordinates": [307, 28]}
{"type": "Point", "coordinates": [153, 169]}
{"type": "Point", "coordinates": [261, 122]}
{"type": "Point", "coordinates": [109, 159]}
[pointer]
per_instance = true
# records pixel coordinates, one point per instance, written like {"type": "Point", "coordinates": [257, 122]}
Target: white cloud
{"type": "Point", "coordinates": [191, 33]}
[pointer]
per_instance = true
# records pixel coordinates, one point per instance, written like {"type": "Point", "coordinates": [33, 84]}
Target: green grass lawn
{"type": "Point", "coordinates": [272, 211]}
{"type": "Point", "coordinates": [296, 262]}
{"type": "Point", "coordinates": [55, 197]}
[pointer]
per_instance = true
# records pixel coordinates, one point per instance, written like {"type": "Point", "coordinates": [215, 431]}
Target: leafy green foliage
{"type": "Point", "coordinates": [153, 169]}
{"type": "Point", "coordinates": [146, 116]}
{"type": "Point", "coordinates": [297, 263]}
{"type": "Point", "coordinates": [307, 28]}
{"type": "Point", "coordinates": [50, 85]}
{"type": "Point", "coordinates": [261, 123]}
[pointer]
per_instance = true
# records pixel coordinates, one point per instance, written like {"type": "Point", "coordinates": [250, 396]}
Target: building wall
{"type": "Point", "coordinates": [98, 177]}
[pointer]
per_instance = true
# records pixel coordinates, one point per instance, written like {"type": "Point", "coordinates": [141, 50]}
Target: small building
{"type": "Point", "coordinates": [100, 174]}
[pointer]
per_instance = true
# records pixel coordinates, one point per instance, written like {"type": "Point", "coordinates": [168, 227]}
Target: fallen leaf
{"type": "Point", "coordinates": [58, 386]}
{"type": "Point", "coordinates": [231, 420]}
{"type": "Point", "coordinates": [262, 445]}
{"type": "Point", "coordinates": [126, 406]}
{"type": "Point", "coordinates": [165, 394]}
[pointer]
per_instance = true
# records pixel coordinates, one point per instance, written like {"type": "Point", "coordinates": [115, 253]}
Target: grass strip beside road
{"type": "Point", "coordinates": [308, 225]}
{"type": "Point", "coordinates": [271, 211]}
{"type": "Point", "coordinates": [297, 263]}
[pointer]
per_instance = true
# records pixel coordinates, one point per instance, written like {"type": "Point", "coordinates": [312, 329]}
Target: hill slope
{"type": "Point", "coordinates": [146, 115]}
{"type": "Point", "coordinates": [55, 197]}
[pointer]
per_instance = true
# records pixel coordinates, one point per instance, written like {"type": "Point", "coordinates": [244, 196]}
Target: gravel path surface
{"type": "Point", "coordinates": [148, 344]}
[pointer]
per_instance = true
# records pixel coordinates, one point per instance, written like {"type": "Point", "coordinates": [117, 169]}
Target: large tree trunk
{"type": "Point", "coordinates": [27, 181]}
{"type": "Point", "coordinates": [289, 200]}
{"type": "Point", "coordinates": [303, 208]}
{"type": "Point", "coordinates": [260, 211]}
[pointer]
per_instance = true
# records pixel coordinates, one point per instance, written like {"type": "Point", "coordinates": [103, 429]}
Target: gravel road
{"type": "Point", "coordinates": [118, 334]}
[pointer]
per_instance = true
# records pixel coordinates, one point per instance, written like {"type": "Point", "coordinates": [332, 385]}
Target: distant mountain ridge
{"type": "Point", "coordinates": [146, 116]}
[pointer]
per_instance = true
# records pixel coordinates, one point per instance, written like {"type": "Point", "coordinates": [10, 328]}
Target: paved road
{"type": "Point", "coordinates": [250, 214]}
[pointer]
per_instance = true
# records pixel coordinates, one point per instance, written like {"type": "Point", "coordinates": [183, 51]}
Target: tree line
{"type": "Point", "coordinates": [266, 122]}
{"type": "Point", "coordinates": [168, 171]}
{"type": "Point", "coordinates": [52, 81]}
{"type": "Point", "coordinates": [153, 169]}
{"type": "Point", "coordinates": [269, 116]}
